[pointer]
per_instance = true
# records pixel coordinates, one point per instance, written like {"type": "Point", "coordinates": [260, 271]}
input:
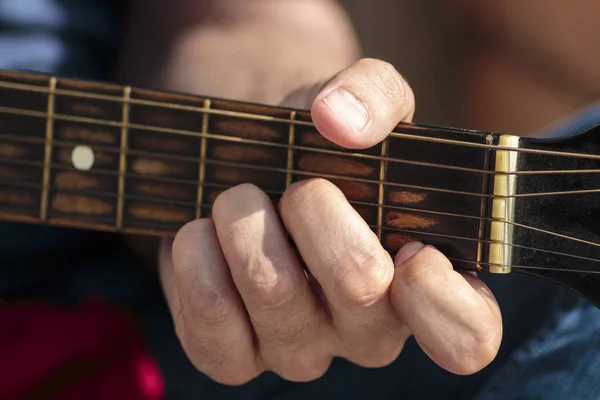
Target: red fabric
{"type": "Point", "coordinates": [87, 352]}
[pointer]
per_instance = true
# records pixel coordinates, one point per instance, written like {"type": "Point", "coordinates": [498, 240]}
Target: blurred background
{"type": "Point", "coordinates": [509, 66]}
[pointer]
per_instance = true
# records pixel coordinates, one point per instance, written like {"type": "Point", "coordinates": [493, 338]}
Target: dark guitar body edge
{"type": "Point", "coordinates": [583, 284]}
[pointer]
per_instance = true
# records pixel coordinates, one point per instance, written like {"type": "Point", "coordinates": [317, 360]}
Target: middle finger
{"type": "Point", "coordinates": [354, 270]}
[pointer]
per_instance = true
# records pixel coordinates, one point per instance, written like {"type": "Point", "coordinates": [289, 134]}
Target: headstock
{"type": "Point", "coordinates": [557, 227]}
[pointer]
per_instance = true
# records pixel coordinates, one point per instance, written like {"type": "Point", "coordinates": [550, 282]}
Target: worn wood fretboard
{"type": "Point", "coordinates": [108, 157]}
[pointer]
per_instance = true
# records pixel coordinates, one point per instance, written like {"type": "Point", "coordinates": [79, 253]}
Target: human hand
{"type": "Point", "coordinates": [242, 303]}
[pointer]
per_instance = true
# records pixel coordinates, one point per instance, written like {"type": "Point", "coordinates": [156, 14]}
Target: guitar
{"type": "Point", "coordinates": [114, 158]}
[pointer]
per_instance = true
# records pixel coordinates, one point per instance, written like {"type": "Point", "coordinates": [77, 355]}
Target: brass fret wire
{"type": "Point", "coordinates": [390, 229]}
{"type": "Point", "coordinates": [237, 114]}
{"type": "Point", "coordinates": [333, 176]}
{"type": "Point", "coordinates": [381, 189]}
{"type": "Point", "coordinates": [484, 180]}
{"type": "Point", "coordinates": [149, 128]}
{"type": "Point", "coordinates": [520, 172]}
{"type": "Point", "coordinates": [202, 171]}
{"type": "Point", "coordinates": [172, 180]}
{"type": "Point", "coordinates": [290, 155]}
{"type": "Point", "coordinates": [123, 156]}
{"type": "Point", "coordinates": [391, 207]}
{"type": "Point", "coordinates": [48, 151]}
{"type": "Point", "coordinates": [182, 181]}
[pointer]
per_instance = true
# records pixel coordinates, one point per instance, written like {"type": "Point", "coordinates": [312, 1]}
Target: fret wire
{"type": "Point", "coordinates": [237, 114]}
{"type": "Point", "coordinates": [152, 103]}
{"type": "Point", "coordinates": [242, 140]}
{"type": "Point", "coordinates": [101, 122]}
{"type": "Point", "coordinates": [123, 156]}
{"type": "Point", "coordinates": [33, 185]}
{"type": "Point", "coordinates": [168, 231]}
{"type": "Point", "coordinates": [202, 171]}
{"type": "Point", "coordinates": [334, 176]}
{"type": "Point", "coordinates": [483, 205]}
{"type": "Point", "coordinates": [45, 198]}
{"type": "Point", "coordinates": [269, 192]}
{"type": "Point", "coordinates": [206, 205]}
{"type": "Point", "coordinates": [381, 188]}
{"type": "Point", "coordinates": [172, 180]}
{"type": "Point", "coordinates": [238, 140]}
{"type": "Point", "coordinates": [290, 154]}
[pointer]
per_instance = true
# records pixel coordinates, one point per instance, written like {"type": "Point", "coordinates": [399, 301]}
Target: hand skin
{"type": "Point", "coordinates": [240, 301]}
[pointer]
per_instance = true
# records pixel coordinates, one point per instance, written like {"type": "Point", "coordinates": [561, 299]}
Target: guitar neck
{"type": "Point", "coordinates": [113, 158]}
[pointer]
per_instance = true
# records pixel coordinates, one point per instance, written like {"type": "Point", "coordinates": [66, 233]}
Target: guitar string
{"type": "Point", "coordinates": [520, 195]}
{"type": "Point", "coordinates": [373, 227]}
{"type": "Point", "coordinates": [331, 176]}
{"type": "Point", "coordinates": [246, 115]}
{"type": "Point", "coordinates": [279, 193]}
{"type": "Point", "coordinates": [233, 139]}
{"type": "Point", "coordinates": [527, 267]}
{"type": "Point", "coordinates": [450, 167]}
{"type": "Point", "coordinates": [219, 186]}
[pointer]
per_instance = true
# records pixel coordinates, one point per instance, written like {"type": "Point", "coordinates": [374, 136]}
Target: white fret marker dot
{"type": "Point", "coordinates": [82, 158]}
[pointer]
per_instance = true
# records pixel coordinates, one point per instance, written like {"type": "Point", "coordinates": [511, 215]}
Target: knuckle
{"type": "Point", "coordinates": [389, 73]}
{"type": "Point", "coordinates": [303, 368]}
{"type": "Point", "coordinates": [422, 268]}
{"type": "Point", "coordinates": [208, 307]}
{"type": "Point", "coordinates": [267, 287]}
{"type": "Point", "coordinates": [393, 86]}
{"type": "Point", "coordinates": [308, 373]}
{"type": "Point", "coordinates": [300, 192]}
{"type": "Point", "coordinates": [228, 377]}
{"type": "Point", "coordinates": [365, 277]}
{"type": "Point", "coordinates": [210, 355]}
{"type": "Point", "coordinates": [385, 345]}
{"type": "Point", "coordinates": [291, 332]}
{"type": "Point", "coordinates": [205, 352]}
{"type": "Point", "coordinates": [379, 356]}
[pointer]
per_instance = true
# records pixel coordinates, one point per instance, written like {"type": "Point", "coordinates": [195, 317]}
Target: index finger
{"type": "Point", "coordinates": [454, 317]}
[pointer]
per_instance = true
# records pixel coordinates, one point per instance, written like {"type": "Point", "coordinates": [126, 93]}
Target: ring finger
{"type": "Point", "coordinates": [286, 317]}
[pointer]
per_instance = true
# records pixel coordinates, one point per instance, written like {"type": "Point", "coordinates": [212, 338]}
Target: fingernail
{"type": "Point", "coordinates": [347, 108]}
{"type": "Point", "coordinates": [408, 251]}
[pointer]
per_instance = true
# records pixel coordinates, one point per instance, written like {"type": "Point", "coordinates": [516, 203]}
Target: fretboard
{"type": "Point", "coordinates": [113, 158]}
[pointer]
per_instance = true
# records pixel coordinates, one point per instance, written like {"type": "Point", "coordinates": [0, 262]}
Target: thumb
{"type": "Point", "coordinates": [359, 106]}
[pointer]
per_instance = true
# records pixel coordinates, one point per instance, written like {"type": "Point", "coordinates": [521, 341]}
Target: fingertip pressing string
{"type": "Point", "coordinates": [289, 170]}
